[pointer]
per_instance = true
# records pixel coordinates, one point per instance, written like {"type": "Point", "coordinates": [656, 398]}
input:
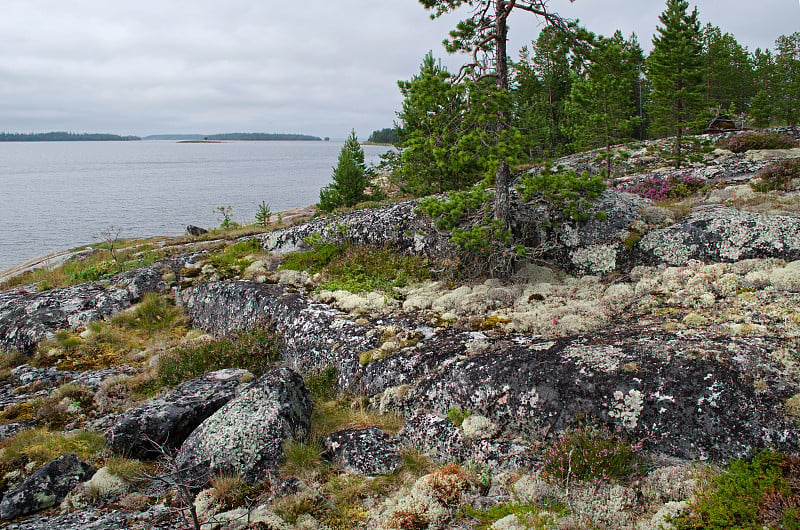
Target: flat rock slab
{"type": "Point", "coordinates": [246, 435]}
{"type": "Point", "coordinates": [363, 451]}
{"type": "Point", "coordinates": [720, 234]}
{"type": "Point", "coordinates": [46, 487]}
{"type": "Point", "coordinates": [168, 420]}
{"type": "Point", "coordinates": [28, 317]}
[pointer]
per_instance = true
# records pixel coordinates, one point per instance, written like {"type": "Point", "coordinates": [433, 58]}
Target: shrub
{"type": "Point", "coordinates": [675, 185]}
{"type": "Point", "coordinates": [592, 454]}
{"type": "Point", "coordinates": [761, 492]}
{"type": "Point", "coordinates": [566, 190]}
{"type": "Point", "coordinates": [154, 313]}
{"type": "Point", "coordinates": [253, 349]}
{"type": "Point", "coordinates": [263, 214]}
{"type": "Point", "coordinates": [777, 176]}
{"type": "Point", "coordinates": [757, 140]}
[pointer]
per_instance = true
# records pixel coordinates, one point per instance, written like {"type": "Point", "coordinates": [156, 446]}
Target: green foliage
{"type": "Point", "coordinates": [226, 212]}
{"type": "Point", "coordinates": [777, 176]}
{"type": "Point", "coordinates": [232, 260]}
{"type": "Point", "coordinates": [153, 314]}
{"type": "Point", "coordinates": [321, 253]}
{"type": "Point", "coordinates": [729, 70]}
{"type": "Point", "coordinates": [675, 68]}
{"type": "Point", "coordinates": [457, 415]}
{"type": "Point", "coordinates": [568, 191]}
{"type": "Point", "coordinates": [449, 212]}
{"type": "Point", "coordinates": [253, 349]}
{"type": "Point", "coordinates": [263, 214]}
{"type": "Point", "coordinates": [763, 492]}
{"type": "Point", "coordinates": [302, 459]}
{"type": "Point", "coordinates": [41, 446]}
{"type": "Point", "coordinates": [591, 454]}
{"type": "Point", "coordinates": [362, 269]}
{"type": "Point", "coordinates": [761, 109]}
{"type": "Point", "coordinates": [786, 96]}
{"type": "Point", "coordinates": [350, 178]}
{"type": "Point", "coordinates": [384, 136]}
{"type": "Point", "coordinates": [323, 384]}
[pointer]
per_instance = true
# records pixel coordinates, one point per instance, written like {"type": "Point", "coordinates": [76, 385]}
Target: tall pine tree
{"type": "Point", "coordinates": [675, 68]}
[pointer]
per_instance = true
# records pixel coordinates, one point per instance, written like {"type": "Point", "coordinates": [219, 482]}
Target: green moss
{"type": "Point", "coordinates": [632, 239]}
{"type": "Point", "coordinates": [527, 514]}
{"type": "Point", "coordinates": [232, 260]}
{"type": "Point", "coordinates": [457, 415]}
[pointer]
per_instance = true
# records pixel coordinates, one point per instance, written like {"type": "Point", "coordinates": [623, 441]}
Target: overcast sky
{"type": "Point", "coordinates": [316, 67]}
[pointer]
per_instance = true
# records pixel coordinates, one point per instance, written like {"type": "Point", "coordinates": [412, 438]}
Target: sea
{"type": "Point", "coordinates": [62, 195]}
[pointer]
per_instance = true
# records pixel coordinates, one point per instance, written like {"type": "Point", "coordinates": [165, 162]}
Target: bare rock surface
{"type": "Point", "coordinates": [166, 421]}
{"type": "Point", "coordinates": [46, 487]}
{"type": "Point", "coordinates": [723, 234]}
{"type": "Point", "coordinates": [367, 451]}
{"type": "Point", "coordinates": [28, 317]}
{"type": "Point", "coordinates": [246, 435]}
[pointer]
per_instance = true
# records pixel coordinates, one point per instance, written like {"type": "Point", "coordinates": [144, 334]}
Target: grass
{"type": "Point", "coordinates": [235, 258]}
{"type": "Point", "coordinates": [357, 268]}
{"type": "Point", "coordinates": [154, 314]}
{"type": "Point", "coordinates": [527, 515]}
{"type": "Point", "coordinates": [254, 349]}
{"type": "Point", "coordinates": [41, 446]}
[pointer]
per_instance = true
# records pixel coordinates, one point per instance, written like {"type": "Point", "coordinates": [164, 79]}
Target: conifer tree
{"type": "Point", "coordinates": [787, 70]}
{"type": "Point", "coordinates": [675, 68]}
{"type": "Point", "coordinates": [350, 178]}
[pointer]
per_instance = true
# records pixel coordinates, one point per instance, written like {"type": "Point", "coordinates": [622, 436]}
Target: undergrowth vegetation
{"type": "Point", "coordinates": [777, 176]}
{"type": "Point", "coordinates": [741, 143]}
{"type": "Point", "coordinates": [357, 268]}
{"type": "Point", "coordinates": [763, 492]}
{"type": "Point", "coordinates": [234, 259]}
{"type": "Point", "coordinates": [254, 349]}
{"type": "Point", "coordinates": [672, 186]}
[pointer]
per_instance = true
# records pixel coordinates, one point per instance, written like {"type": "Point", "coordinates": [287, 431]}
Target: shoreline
{"type": "Point", "coordinates": [59, 257]}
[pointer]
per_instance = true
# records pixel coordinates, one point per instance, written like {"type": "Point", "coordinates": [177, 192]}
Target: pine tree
{"type": "Point", "coordinates": [350, 178]}
{"type": "Point", "coordinates": [730, 74]}
{"type": "Point", "coordinates": [675, 68]}
{"type": "Point", "coordinates": [601, 103]}
{"type": "Point", "coordinates": [787, 70]}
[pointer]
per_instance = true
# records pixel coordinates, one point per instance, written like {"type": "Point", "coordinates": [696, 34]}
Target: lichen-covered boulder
{"type": "Point", "coordinates": [27, 317]}
{"type": "Point", "coordinates": [314, 336]}
{"type": "Point", "coordinates": [167, 420]}
{"type": "Point", "coordinates": [399, 225]}
{"type": "Point", "coordinates": [46, 487]}
{"type": "Point", "coordinates": [246, 435]}
{"type": "Point", "coordinates": [363, 451]}
{"type": "Point", "coordinates": [434, 435]}
{"type": "Point", "coordinates": [695, 397]}
{"type": "Point", "coordinates": [722, 234]}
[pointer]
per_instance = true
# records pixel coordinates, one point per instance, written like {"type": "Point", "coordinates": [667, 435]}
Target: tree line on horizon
{"type": "Point", "coordinates": [59, 136]}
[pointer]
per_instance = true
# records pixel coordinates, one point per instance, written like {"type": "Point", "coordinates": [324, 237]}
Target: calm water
{"type": "Point", "coordinates": [58, 195]}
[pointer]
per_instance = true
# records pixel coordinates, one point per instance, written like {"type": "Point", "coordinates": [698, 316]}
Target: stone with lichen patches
{"type": "Point", "coordinates": [367, 451]}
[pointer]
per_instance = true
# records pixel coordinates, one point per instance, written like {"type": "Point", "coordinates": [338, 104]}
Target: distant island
{"type": "Point", "coordinates": [65, 137]}
{"type": "Point", "coordinates": [234, 137]}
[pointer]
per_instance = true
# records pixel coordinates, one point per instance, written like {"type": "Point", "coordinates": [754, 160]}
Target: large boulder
{"type": "Point", "coordinates": [28, 317]}
{"type": "Point", "coordinates": [46, 487]}
{"type": "Point", "coordinates": [246, 436]}
{"type": "Point", "coordinates": [722, 234]}
{"type": "Point", "coordinates": [314, 336]}
{"type": "Point", "coordinates": [166, 421]}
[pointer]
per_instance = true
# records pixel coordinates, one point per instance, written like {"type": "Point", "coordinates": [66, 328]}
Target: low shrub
{"type": "Point", "coordinates": [592, 454]}
{"type": "Point", "coordinates": [232, 260]}
{"type": "Point", "coordinates": [763, 492]}
{"type": "Point", "coordinates": [756, 140]}
{"type": "Point", "coordinates": [675, 185]}
{"type": "Point", "coordinates": [567, 190]}
{"type": "Point", "coordinates": [154, 313]}
{"type": "Point", "coordinates": [254, 349]}
{"type": "Point", "coordinates": [777, 176]}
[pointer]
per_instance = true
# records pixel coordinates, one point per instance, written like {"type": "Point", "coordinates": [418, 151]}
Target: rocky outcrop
{"type": "Point", "coordinates": [314, 336]}
{"type": "Point", "coordinates": [46, 487]}
{"type": "Point", "coordinates": [166, 421]}
{"type": "Point", "coordinates": [246, 436]}
{"type": "Point", "coordinates": [367, 451]}
{"type": "Point", "coordinates": [722, 234]}
{"type": "Point", "coordinates": [399, 225]}
{"type": "Point", "coordinates": [26, 318]}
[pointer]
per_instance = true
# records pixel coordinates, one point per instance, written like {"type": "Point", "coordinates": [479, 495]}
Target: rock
{"type": "Point", "coordinates": [363, 451]}
{"type": "Point", "coordinates": [246, 435]}
{"type": "Point", "coordinates": [26, 318]}
{"type": "Point", "coordinates": [314, 336]}
{"type": "Point", "coordinates": [722, 234]}
{"type": "Point", "coordinates": [399, 225]}
{"type": "Point", "coordinates": [46, 487]}
{"type": "Point", "coordinates": [195, 230]}
{"type": "Point", "coordinates": [436, 436]}
{"type": "Point", "coordinates": [169, 419]}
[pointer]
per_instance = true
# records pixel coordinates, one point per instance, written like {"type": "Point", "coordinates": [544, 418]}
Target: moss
{"type": "Point", "coordinates": [632, 239]}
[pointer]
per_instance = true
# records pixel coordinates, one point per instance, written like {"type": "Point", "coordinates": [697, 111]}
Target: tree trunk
{"type": "Point", "coordinates": [502, 200]}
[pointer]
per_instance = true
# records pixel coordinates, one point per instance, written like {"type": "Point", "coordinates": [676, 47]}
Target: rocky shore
{"type": "Point", "coordinates": [670, 327]}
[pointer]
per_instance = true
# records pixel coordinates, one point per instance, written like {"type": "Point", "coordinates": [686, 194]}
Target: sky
{"type": "Point", "coordinates": [319, 67]}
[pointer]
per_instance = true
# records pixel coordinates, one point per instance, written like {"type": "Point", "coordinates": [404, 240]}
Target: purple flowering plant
{"type": "Point", "coordinates": [592, 454]}
{"type": "Point", "coordinates": [674, 185]}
